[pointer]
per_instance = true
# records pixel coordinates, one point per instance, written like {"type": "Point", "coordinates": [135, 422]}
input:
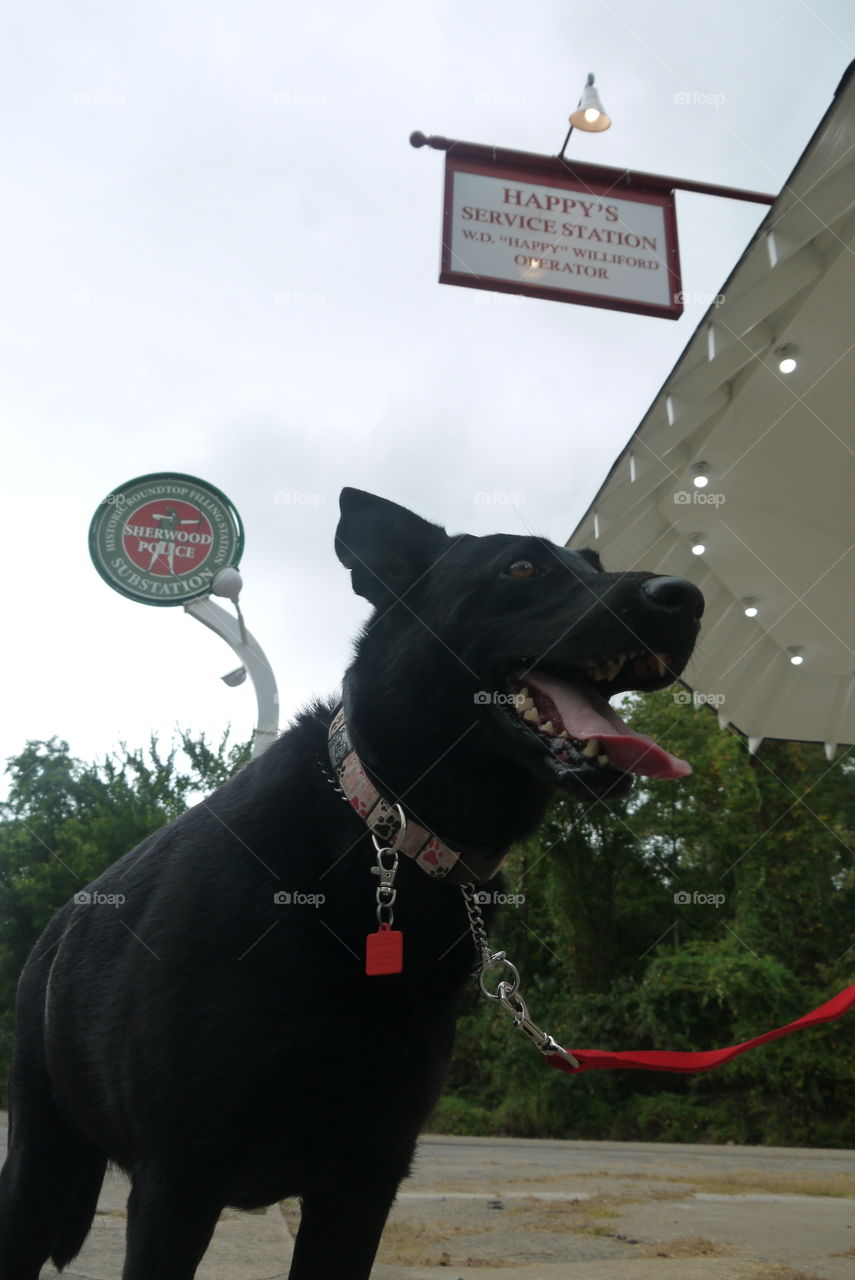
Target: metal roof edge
{"type": "Point", "coordinates": [761, 230]}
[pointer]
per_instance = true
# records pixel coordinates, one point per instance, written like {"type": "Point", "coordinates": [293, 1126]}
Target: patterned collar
{"type": "Point", "coordinates": [380, 816]}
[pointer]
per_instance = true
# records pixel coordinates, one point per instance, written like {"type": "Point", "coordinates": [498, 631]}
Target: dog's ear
{"type": "Point", "coordinates": [386, 547]}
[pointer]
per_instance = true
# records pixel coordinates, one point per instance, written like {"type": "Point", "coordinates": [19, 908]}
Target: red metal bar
{"type": "Point", "coordinates": [557, 166]}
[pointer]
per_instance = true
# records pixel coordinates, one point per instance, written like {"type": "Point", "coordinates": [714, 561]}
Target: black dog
{"type": "Point", "coordinates": [215, 1034]}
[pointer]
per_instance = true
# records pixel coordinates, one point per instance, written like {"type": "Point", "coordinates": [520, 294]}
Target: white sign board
{"type": "Point", "coordinates": [579, 242]}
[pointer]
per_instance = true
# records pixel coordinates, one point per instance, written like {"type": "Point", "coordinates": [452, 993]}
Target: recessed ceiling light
{"type": "Point", "coordinates": [796, 654]}
{"type": "Point", "coordinates": [786, 357]}
{"type": "Point", "coordinates": [750, 606]}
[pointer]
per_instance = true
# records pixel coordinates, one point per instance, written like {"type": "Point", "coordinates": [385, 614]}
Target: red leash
{"type": "Point", "coordinates": [661, 1060]}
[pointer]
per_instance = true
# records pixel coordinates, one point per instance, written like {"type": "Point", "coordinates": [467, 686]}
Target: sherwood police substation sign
{"type": "Point", "coordinates": [160, 539]}
{"type": "Point", "coordinates": [543, 229]}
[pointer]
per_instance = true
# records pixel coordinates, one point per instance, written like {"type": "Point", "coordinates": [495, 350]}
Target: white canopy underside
{"type": "Point", "coordinates": [776, 517]}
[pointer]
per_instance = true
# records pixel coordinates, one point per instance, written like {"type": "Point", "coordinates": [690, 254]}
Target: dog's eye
{"type": "Point", "coordinates": [523, 569]}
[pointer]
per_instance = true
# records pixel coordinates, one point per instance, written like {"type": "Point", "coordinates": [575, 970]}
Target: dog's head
{"type": "Point", "coordinates": [521, 640]}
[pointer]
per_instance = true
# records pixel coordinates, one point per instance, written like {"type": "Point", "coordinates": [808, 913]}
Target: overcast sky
{"type": "Point", "coordinates": [221, 257]}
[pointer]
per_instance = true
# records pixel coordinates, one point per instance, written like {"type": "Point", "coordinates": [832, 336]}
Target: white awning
{"type": "Point", "coordinates": [777, 516]}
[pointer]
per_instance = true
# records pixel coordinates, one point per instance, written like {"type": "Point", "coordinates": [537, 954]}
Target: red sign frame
{"type": "Point", "coordinates": [591, 180]}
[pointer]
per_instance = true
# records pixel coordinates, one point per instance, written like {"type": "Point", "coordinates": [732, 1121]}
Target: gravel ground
{"type": "Point", "coordinates": [520, 1209]}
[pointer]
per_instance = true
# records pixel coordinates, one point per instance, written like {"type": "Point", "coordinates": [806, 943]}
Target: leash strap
{"type": "Point", "coordinates": [686, 1063]}
{"type": "Point", "coordinates": [508, 997]}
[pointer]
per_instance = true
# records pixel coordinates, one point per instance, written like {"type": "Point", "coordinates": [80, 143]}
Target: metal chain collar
{"type": "Point", "coordinates": [506, 993]}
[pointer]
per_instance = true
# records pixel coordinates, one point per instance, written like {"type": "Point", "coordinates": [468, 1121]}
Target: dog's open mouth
{"type": "Point", "coordinates": [570, 716]}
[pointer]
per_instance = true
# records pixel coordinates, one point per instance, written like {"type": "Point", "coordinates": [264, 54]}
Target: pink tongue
{"type": "Point", "coordinates": [585, 714]}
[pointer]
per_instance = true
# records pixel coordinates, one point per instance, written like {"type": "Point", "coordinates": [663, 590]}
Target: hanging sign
{"type": "Point", "coordinates": [544, 231]}
{"type": "Point", "coordinates": [160, 539]}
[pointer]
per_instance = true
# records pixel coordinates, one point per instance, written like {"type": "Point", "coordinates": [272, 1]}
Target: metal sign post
{"type": "Point", "coordinates": [169, 539]}
{"type": "Point", "coordinates": [253, 659]}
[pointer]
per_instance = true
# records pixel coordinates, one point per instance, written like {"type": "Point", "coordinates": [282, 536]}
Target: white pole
{"type": "Point", "coordinates": [253, 659]}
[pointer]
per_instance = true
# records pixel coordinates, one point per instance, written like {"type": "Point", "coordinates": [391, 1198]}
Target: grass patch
{"type": "Point", "coordinates": [685, 1247]}
{"type": "Point", "coordinates": [430, 1244]}
{"type": "Point", "coordinates": [841, 1185]}
{"type": "Point", "coordinates": [562, 1215]}
{"type": "Point", "coordinates": [780, 1272]}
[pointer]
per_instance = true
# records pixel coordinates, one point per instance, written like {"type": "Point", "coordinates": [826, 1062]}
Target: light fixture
{"type": "Point", "coordinates": [590, 115]}
{"type": "Point", "coordinates": [698, 545]}
{"type": "Point", "coordinates": [234, 678]}
{"type": "Point", "coordinates": [701, 475]}
{"type": "Point", "coordinates": [796, 654]}
{"type": "Point", "coordinates": [228, 583]}
{"type": "Point", "coordinates": [750, 606]}
{"type": "Point", "coordinates": [786, 357]}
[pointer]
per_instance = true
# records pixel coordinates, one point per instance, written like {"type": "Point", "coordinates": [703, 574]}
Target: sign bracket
{"type": "Point", "coordinates": [253, 658]}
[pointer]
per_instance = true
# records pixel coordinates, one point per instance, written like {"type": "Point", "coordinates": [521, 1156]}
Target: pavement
{"type": "Point", "coordinates": [526, 1209]}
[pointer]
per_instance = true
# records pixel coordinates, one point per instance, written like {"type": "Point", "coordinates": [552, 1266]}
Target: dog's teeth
{"type": "Point", "coordinates": [603, 759]}
{"type": "Point", "coordinates": [524, 693]}
{"type": "Point", "coordinates": [549, 728]}
{"type": "Point", "coordinates": [531, 714]}
{"type": "Point", "coordinates": [591, 748]}
{"type": "Point", "coordinates": [526, 704]}
{"type": "Point", "coordinates": [612, 667]}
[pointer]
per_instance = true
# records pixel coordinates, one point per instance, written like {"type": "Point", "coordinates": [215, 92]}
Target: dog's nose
{"type": "Point", "coordinates": [676, 595]}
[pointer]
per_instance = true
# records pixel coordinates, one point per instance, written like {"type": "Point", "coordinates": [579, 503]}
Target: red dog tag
{"type": "Point", "coordinates": [384, 951]}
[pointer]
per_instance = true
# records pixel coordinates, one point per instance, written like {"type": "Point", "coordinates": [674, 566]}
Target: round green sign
{"type": "Point", "coordinates": [160, 539]}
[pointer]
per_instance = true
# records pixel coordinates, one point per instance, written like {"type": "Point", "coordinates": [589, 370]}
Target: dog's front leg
{"type": "Point", "coordinates": [340, 1230]}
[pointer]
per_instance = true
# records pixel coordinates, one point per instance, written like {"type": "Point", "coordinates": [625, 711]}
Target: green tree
{"type": "Point", "coordinates": [612, 956]}
{"type": "Point", "coordinates": [65, 821]}
{"type": "Point", "coordinates": [795, 876]}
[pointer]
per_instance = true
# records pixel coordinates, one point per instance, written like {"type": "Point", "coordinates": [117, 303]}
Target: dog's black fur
{"type": "Point", "coordinates": [227, 1050]}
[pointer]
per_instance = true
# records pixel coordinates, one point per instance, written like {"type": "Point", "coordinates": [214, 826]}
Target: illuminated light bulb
{"type": "Point", "coordinates": [796, 655]}
{"type": "Point", "coordinates": [698, 549]}
{"type": "Point", "coordinates": [590, 113]}
{"type": "Point", "coordinates": [700, 475]}
{"type": "Point", "coordinates": [786, 355]}
{"type": "Point", "coordinates": [750, 603]}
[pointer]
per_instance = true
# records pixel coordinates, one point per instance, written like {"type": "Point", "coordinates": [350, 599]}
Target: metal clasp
{"type": "Point", "coordinates": [513, 1004]}
{"type": "Point", "coordinates": [508, 997]}
{"type": "Point", "coordinates": [386, 891]}
{"type": "Point", "coordinates": [386, 874]}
